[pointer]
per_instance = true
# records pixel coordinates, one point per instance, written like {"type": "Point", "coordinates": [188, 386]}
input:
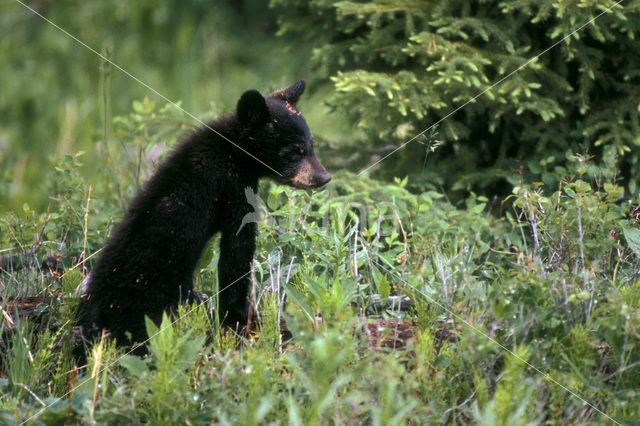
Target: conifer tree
{"type": "Point", "coordinates": [398, 66]}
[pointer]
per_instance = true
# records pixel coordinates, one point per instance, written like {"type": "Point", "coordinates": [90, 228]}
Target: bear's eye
{"type": "Point", "coordinates": [301, 151]}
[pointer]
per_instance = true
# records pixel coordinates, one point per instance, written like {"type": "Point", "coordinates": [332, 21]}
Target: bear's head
{"type": "Point", "coordinates": [275, 132]}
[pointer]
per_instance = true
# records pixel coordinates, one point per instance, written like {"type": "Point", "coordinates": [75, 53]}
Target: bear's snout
{"type": "Point", "coordinates": [310, 174]}
{"type": "Point", "coordinates": [323, 177]}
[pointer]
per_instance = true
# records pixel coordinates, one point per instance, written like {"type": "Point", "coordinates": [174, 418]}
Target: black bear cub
{"type": "Point", "coordinates": [147, 265]}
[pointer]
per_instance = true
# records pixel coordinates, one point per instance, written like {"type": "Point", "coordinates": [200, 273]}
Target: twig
{"type": "Point", "coordinates": [620, 370]}
{"type": "Point", "coordinates": [32, 393]}
{"type": "Point", "coordinates": [86, 219]}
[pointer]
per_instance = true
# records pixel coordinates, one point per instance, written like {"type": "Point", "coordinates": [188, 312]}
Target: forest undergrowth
{"type": "Point", "coordinates": [371, 304]}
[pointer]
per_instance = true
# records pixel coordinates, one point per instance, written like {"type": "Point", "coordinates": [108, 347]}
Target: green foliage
{"type": "Point", "coordinates": [270, 311]}
{"type": "Point", "coordinates": [319, 298]}
{"type": "Point", "coordinates": [551, 282]}
{"type": "Point", "coordinates": [513, 396]}
{"type": "Point", "coordinates": [548, 277]}
{"type": "Point", "coordinates": [142, 136]}
{"type": "Point", "coordinates": [194, 318]}
{"type": "Point", "coordinates": [18, 358]}
{"type": "Point", "coordinates": [173, 358]}
{"type": "Point", "coordinates": [398, 67]}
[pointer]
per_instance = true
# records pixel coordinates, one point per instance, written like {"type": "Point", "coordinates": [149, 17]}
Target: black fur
{"type": "Point", "coordinates": [147, 265]}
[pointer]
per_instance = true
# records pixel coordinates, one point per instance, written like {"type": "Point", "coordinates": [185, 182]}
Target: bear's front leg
{"type": "Point", "coordinates": [234, 273]}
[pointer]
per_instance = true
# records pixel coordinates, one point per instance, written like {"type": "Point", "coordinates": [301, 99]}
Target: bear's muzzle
{"type": "Point", "coordinates": [310, 174]}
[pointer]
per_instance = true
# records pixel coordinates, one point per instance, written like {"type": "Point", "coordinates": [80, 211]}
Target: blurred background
{"type": "Point", "coordinates": [58, 97]}
{"type": "Point", "coordinates": [379, 74]}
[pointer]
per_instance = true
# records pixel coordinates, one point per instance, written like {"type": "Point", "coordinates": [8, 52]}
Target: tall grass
{"type": "Point", "coordinates": [523, 318]}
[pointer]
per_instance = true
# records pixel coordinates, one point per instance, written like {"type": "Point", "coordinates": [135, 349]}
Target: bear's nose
{"type": "Point", "coordinates": [323, 177]}
{"type": "Point", "coordinates": [320, 175]}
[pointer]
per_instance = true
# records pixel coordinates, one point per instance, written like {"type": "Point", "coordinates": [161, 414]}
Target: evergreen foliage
{"type": "Point", "coordinates": [400, 66]}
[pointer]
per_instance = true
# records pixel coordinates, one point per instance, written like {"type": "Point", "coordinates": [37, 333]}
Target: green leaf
{"type": "Point", "coordinates": [207, 254]}
{"type": "Point", "coordinates": [443, 361]}
{"type": "Point", "coordinates": [478, 208]}
{"type": "Point", "coordinates": [298, 298]}
{"type": "Point", "coordinates": [134, 365]}
{"type": "Point", "coordinates": [189, 351]}
{"type": "Point", "coordinates": [71, 280]}
{"type": "Point", "coordinates": [583, 295]}
{"type": "Point", "coordinates": [152, 329]}
{"type": "Point", "coordinates": [383, 287]}
{"type": "Point", "coordinates": [137, 106]}
{"type": "Point", "coordinates": [632, 236]}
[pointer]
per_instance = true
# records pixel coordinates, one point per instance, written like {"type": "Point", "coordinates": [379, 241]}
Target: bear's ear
{"type": "Point", "coordinates": [252, 108]}
{"type": "Point", "coordinates": [292, 93]}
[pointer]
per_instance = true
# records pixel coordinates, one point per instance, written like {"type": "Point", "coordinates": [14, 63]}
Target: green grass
{"type": "Point", "coordinates": [523, 311]}
{"type": "Point", "coordinates": [530, 316]}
